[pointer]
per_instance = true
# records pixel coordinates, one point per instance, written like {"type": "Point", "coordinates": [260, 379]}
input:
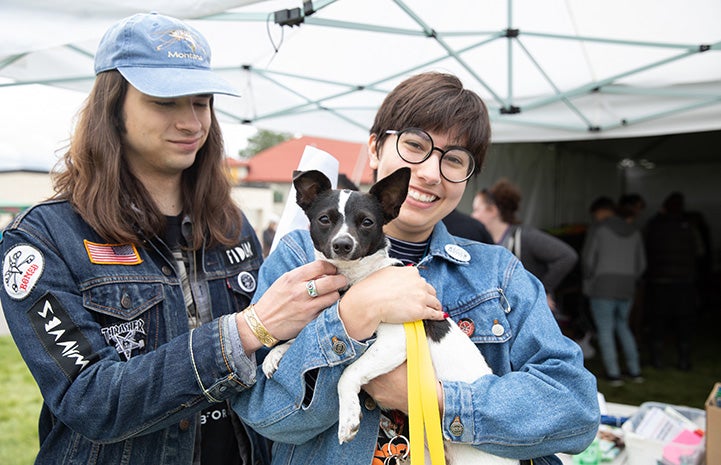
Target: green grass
{"type": "Point", "coordinates": [670, 385]}
{"type": "Point", "coordinates": [20, 403]}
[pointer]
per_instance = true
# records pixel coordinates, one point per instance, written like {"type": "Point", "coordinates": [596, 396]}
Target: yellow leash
{"type": "Point", "coordinates": [422, 397]}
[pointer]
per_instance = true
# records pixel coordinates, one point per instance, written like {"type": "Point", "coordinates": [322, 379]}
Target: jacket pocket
{"type": "Point", "coordinates": [129, 314]}
{"type": "Point", "coordinates": [484, 317]}
{"type": "Point", "coordinates": [125, 301]}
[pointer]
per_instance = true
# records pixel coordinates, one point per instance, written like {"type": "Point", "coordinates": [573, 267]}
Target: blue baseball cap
{"type": "Point", "coordinates": [160, 56]}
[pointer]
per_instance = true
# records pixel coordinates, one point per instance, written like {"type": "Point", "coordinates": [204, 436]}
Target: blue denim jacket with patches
{"type": "Point", "coordinates": [540, 400]}
{"type": "Point", "coordinates": [104, 331]}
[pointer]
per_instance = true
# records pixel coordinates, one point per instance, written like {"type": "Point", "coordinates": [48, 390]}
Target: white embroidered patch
{"type": "Point", "coordinates": [22, 267]}
{"type": "Point", "coordinates": [126, 337]}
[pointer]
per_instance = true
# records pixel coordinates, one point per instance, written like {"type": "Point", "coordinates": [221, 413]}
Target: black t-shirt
{"type": "Point", "coordinates": [218, 441]}
{"type": "Point", "coordinates": [218, 444]}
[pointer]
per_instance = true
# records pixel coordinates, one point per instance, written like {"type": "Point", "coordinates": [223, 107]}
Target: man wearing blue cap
{"type": "Point", "coordinates": [128, 293]}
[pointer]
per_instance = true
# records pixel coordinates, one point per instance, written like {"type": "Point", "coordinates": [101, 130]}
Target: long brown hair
{"type": "Point", "coordinates": [436, 102]}
{"type": "Point", "coordinates": [97, 181]}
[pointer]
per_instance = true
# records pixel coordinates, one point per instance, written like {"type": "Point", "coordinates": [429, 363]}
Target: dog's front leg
{"type": "Point", "coordinates": [386, 353]}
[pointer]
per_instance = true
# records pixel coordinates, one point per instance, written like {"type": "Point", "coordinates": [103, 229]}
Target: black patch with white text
{"type": "Point", "coordinates": [61, 338]}
{"type": "Point", "coordinates": [240, 253]}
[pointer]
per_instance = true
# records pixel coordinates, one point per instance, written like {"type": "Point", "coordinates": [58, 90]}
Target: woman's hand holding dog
{"type": "Point", "coordinates": [286, 307]}
{"type": "Point", "coordinates": [390, 295]}
{"type": "Point", "coordinates": [390, 390]}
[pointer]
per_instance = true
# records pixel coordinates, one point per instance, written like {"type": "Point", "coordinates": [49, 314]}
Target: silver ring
{"type": "Point", "coordinates": [310, 287]}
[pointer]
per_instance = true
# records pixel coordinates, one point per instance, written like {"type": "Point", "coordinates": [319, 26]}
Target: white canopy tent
{"type": "Point", "coordinates": [562, 73]}
{"type": "Point", "coordinates": [549, 70]}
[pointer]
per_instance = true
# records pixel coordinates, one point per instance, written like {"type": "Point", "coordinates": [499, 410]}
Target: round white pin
{"type": "Point", "coordinates": [497, 329]}
{"type": "Point", "coordinates": [246, 281]}
{"type": "Point", "coordinates": [458, 253]}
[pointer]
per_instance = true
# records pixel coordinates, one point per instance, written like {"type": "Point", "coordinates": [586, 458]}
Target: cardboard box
{"type": "Point", "coordinates": [713, 428]}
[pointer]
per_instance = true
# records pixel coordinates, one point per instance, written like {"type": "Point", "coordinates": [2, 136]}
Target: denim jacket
{"type": "Point", "coordinates": [95, 322]}
{"type": "Point", "coordinates": [539, 401]}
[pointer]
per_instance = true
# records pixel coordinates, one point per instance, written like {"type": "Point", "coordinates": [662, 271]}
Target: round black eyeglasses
{"type": "Point", "coordinates": [415, 146]}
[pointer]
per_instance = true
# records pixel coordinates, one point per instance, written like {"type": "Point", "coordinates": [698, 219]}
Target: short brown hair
{"type": "Point", "coordinates": [436, 102]}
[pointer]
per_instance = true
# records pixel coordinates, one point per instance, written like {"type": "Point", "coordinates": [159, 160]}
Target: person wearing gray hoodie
{"type": "Point", "coordinates": [613, 259]}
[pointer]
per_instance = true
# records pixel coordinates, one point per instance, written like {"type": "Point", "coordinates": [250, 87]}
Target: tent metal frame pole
{"type": "Point", "coordinates": [593, 86]}
{"type": "Point", "coordinates": [509, 44]}
{"type": "Point", "coordinates": [662, 114]}
{"type": "Point", "coordinates": [555, 88]}
{"type": "Point", "coordinates": [449, 50]}
{"type": "Point", "coordinates": [504, 109]}
{"type": "Point", "coordinates": [506, 106]}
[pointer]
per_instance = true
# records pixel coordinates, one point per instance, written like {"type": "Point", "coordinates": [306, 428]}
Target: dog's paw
{"type": "Point", "coordinates": [272, 360]}
{"type": "Point", "coordinates": [270, 365]}
{"type": "Point", "coordinates": [348, 430]}
{"type": "Point", "coordinates": [349, 416]}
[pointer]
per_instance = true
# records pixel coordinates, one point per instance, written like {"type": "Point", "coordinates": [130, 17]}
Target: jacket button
{"type": "Point", "coordinates": [126, 301]}
{"type": "Point", "coordinates": [369, 403]}
{"type": "Point", "coordinates": [456, 427]}
{"type": "Point", "coordinates": [338, 346]}
{"type": "Point", "coordinates": [184, 424]}
{"type": "Point", "coordinates": [167, 271]}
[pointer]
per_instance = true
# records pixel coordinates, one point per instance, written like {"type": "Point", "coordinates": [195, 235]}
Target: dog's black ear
{"type": "Point", "coordinates": [391, 192]}
{"type": "Point", "coordinates": [308, 184]}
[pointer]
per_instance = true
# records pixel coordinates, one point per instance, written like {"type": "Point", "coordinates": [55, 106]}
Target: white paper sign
{"type": "Point", "coordinates": [293, 217]}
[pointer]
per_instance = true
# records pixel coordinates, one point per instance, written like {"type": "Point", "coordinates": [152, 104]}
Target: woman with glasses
{"type": "Point", "coordinates": [540, 399]}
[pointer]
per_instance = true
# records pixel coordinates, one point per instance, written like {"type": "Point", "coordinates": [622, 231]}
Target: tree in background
{"type": "Point", "coordinates": [262, 140]}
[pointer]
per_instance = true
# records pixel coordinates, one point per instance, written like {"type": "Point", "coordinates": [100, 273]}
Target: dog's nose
{"type": "Point", "coordinates": [342, 246]}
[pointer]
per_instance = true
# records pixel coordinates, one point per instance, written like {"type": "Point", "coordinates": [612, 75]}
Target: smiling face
{"type": "Point", "coordinates": [163, 135]}
{"type": "Point", "coordinates": [430, 196]}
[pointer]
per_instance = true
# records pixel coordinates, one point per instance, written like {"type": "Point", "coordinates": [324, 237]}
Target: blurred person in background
{"type": "Point", "coordinates": [671, 294]}
{"type": "Point", "coordinates": [613, 259]}
{"type": "Point", "coordinates": [546, 256]}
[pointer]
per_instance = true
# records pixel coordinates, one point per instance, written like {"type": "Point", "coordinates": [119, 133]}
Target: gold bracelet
{"type": "Point", "coordinates": [260, 331]}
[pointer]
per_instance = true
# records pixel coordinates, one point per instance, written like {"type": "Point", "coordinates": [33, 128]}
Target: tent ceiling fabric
{"type": "Point", "coordinates": [549, 70]}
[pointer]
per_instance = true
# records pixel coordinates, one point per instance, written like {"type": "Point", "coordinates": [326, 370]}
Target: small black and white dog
{"type": "Point", "coordinates": [347, 230]}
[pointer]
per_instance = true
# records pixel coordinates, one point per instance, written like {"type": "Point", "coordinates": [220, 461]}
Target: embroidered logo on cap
{"type": "Point", "coordinates": [112, 254]}
{"type": "Point", "coordinates": [22, 267]}
{"type": "Point", "coordinates": [170, 38]}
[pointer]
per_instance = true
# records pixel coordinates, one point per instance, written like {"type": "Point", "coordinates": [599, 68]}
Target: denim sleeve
{"type": "Point", "coordinates": [77, 370]}
{"type": "Point", "coordinates": [275, 407]}
{"type": "Point", "coordinates": [547, 403]}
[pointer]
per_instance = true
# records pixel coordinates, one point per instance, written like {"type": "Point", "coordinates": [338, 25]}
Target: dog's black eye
{"type": "Point", "coordinates": [324, 219]}
{"type": "Point", "coordinates": [367, 223]}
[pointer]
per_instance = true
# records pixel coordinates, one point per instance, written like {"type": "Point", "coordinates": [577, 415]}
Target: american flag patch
{"type": "Point", "coordinates": [112, 254]}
